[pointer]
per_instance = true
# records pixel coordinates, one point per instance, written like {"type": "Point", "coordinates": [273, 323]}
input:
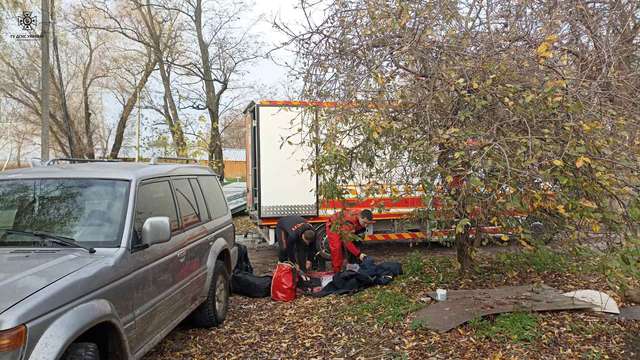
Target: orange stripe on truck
{"type": "Point", "coordinates": [493, 230]}
{"type": "Point", "coordinates": [298, 103]}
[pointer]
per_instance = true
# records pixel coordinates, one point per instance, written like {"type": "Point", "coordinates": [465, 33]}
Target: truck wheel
{"type": "Point", "coordinates": [213, 310]}
{"type": "Point", "coordinates": [322, 242]}
{"type": "Point", "coordinates": [82, 351]}
{"type": "Point", "coordinates": [543, 229]}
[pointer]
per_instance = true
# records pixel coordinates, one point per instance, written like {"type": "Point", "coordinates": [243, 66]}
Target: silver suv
{"type": "Point", "coordinates": [102, 260]}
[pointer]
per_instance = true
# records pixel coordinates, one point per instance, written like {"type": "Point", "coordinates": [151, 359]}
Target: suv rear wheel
{"type": "Point", "coordinates": [214, 309]}
{"type": "Point", "coordinates": [82, 351]}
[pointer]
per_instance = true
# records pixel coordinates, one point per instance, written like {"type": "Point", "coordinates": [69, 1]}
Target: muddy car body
{"type": "Point", "coordinates": [102, 260]}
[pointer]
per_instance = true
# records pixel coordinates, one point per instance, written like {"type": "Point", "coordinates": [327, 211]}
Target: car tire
{"type": "Point", "coordinates": [322, 242]}
{"type": "Point", "coordinates": [82, 351]}
{"type": "Point", "coordinates": [213, 310]}
{"type": "Point", "coordinates": [543, 228]}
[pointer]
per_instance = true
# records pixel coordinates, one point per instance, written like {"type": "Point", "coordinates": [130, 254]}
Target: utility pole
{"type": "Point", "coordinates": [138, 158]}
{"type": "Point", "coordinates": [44, 82]}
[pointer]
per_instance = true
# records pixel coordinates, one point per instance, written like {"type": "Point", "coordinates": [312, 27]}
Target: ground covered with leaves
{"type": "Point", "coordinates": [243, 224]}
{"type": "Point", "coordinates": [378, 324]}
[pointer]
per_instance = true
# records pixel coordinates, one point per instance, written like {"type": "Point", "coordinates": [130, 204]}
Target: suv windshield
{"type": "Point", "coordinates": [89, 211]}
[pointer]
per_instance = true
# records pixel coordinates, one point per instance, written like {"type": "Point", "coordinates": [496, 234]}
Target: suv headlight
{"type": "Point", "coordinates": [12, 343]}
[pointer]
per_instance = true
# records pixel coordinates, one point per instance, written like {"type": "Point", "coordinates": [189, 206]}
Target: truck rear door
{"type": "Point", "coordinates": [285, 187]}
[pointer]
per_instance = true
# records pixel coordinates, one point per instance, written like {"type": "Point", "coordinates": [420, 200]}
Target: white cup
{"type": "Point", "coordinates": [441, 294]}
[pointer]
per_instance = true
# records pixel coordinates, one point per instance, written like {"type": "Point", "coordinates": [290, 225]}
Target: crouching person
{"type": "Point", "coordinates": [342, 228]}
{"type": "Point", "coordinates": [296, 236]}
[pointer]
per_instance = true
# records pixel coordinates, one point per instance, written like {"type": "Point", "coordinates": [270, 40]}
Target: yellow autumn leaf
{"type": "Point", "coordinates": [504, 238]}
{"type": "Point", "coordinates": [558, 162]}
{"type": "Point", "coordinates": [525, 244]}
{"type": "Point", "coordinates": [551, 38]}
{"type": "Point", "coordinates": [581, 161]}
{"type": "Point", "coordinates": [555, 84]}
{"type": "Point", "coordinates": [561, 210]}
{"type": "Point", "coordinates": [595, 228]}
{"type": "Point", "coordinates": [544, 50]}
{"type": "Point", "coordinates": [588, 203]}
{"type": "Point", "coordinates": [379, 78]}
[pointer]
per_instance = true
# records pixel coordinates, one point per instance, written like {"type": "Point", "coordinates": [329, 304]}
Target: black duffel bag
{"type": "Point", "coordinates": [247, 284]}
{"type": "Point", "coordinates": [243, 264]}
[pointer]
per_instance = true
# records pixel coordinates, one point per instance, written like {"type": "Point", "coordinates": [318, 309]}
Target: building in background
{"type": "Point", "coordinates": [235, 164]}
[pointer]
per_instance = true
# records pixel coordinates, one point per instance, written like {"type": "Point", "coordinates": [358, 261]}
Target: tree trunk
{"type": "Point", "coordinates": [215, 153]}
{"type": "Point", "coordinates": [88, 133]}
{"type": "Point", "coordinates": [63, 99]}
{"type": "Point", "coordinates": [464, 247]}
{"type": "Point", "coordinates": [128, 107]}
{"type": "Point", "coordinates": [89, 148]}
{"type": "Point", "coordinates": [19, 152]}
{"type": "Point", "coordinates": [173, 119]}
{"type": "Point", "coordinates": [212, 97]}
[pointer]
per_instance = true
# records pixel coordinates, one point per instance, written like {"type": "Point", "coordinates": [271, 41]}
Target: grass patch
{"type": "Point", "coordinates": [413, 264]}
{"type": "Point", "coordinates": [399, 356]}
{"type": "Point", "coordinates": [539, 260]}
{"type": "Point", "coordinates": [386, 306]}
{"type": "Point", "coordinates": [583, 328]}
{"type": "Point", "coordinates": [515, 327]}
{"type": "Point", "coordinates": [622, 266]}
{"type": "Point", "coordinates": [430, 270]}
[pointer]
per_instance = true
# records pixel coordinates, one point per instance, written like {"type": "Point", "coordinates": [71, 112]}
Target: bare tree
{"type": "Point", "coordinates": [60, 85]}
{"type": "Point", "coordinates": [157, 31]}
{"type": "Point", "coordinates": [224, 49]}
{"type": "Point", "coordinates": [74, 81]}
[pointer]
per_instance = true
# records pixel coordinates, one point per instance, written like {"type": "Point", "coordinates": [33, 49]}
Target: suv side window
{"type": "Point", "coordinates": [204, 214]}
{"type": "Point", "coordinates": [187, 204]}
{"type": "Point", "coordinates": [213, 195]}
{"type": "Point", "coordinates": [155, 199]}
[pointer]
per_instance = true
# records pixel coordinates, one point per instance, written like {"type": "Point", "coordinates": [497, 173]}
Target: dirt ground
{"type": "Point", "coordinates": [377, 323]}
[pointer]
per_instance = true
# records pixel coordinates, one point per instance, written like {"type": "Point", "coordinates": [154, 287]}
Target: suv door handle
{"type": "Point", "coordinates": [181, 255]}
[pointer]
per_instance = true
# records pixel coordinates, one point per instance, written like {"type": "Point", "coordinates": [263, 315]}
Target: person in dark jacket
{"type": "Point", "coordinates": [295, 235]}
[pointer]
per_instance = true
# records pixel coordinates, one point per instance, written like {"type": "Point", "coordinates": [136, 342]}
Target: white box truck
{"type": "Point", "coordinates": [278, 185]}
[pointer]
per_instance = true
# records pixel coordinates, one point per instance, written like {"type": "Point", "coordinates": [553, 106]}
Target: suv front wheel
{"type": "Point", "coordinates": [82, 351]}
{"type": "Point", "coordinates": [214, 309]}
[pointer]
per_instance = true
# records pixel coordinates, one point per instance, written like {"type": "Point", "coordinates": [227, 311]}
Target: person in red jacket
{"type": "Point", "coordinates": [342, 228]}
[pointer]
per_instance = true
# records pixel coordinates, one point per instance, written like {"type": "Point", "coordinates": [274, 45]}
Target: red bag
{"type": "Point", "coordinates": [283, 285]}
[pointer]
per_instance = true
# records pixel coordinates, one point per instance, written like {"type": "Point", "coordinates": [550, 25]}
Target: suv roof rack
{"type": "Point", "coordinates": [78, 161]}
{"type": "Point", "coordinates": [154, 160]}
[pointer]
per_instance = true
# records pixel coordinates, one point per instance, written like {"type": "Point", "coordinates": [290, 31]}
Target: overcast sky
{"type": "Point", "coordinates": [266, 71]}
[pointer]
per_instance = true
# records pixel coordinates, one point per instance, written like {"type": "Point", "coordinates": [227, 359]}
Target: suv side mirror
{"type": "Point", "coordinates": [156, 230]}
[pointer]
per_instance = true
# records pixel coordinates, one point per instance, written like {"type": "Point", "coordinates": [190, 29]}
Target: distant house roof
{"type": "Point", "coordinates": [234, 154]}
